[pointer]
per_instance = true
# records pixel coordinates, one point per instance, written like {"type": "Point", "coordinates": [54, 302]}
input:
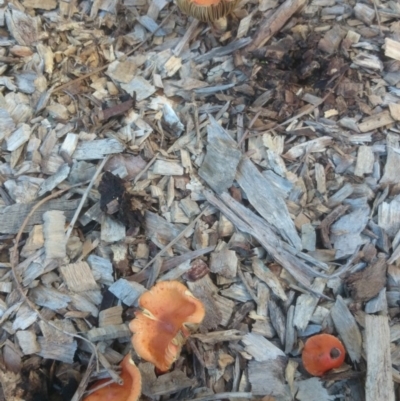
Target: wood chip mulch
{"type": "Point", "coordinates": [259, 166]}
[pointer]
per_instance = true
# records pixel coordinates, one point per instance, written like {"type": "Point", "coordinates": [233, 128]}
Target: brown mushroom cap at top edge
{"type": "Point", "coordinates": [207, 10]}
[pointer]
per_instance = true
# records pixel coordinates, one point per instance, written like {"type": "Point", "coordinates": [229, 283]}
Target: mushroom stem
{"type": "Point", "coordinates": [220, 25]}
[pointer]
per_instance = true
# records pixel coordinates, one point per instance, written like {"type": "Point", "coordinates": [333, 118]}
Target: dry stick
{"type": "Point", "coordinates": [307, 110]}
{"type": "Point", "coordinates": [222, 396]}
{"type": "Point", "coordinates": [15, 258]}
{"type": "Point", "coordinates": [254, 119]}
{"type": "Point", "coordinates": [378, 19]}
{"type": "Point", "coordinates": [274, 23]}
{"type": "Point", "coordinates": [84, 381]}
{"type": "Point", "coordinates": [149, 164]}
{"type": "Point", "coordinates": [246, 285]}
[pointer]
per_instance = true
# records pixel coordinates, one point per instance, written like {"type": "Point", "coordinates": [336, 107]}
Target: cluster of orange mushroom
{"type": "Point", "coordinates": [169, 313]}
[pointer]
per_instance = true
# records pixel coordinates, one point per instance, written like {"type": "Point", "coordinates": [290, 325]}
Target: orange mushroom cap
{"type": "Point", "coordinates": [207, 10]}
{"type": "Point", "coordinates": [130, 389]}
{"type": "Point", "coordinates": [321, 353]}
{"type": "Point", "coordinates": [170, 312]}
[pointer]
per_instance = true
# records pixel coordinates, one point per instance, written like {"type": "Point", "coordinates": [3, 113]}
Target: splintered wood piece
{"type": "Point", "coordinates": [331, 40]}
{"type": "Point", "coordinates": [97, 149]}
{"type": "Point", "coordinates": [127, 291]}
{"type": "Point", "coordinates": [392, 48]}
{"type": "Point", "coordinates": [394, 109]}
{"type": "Point", "coordinates": [49, 298]}
{"type": "Point", "coordinates": [306, 304]}
{"type": "Point", "coordinates": [55, 243]}
{"type": "Point", "coordinates": [169, 383]}
{"type": "Point", "coordinates": [107, 333]}
{"type": "Point", "coordinates": [264, 197]}
{"type": "Point", "coordinates": [218, 309]}
{"type": "Point", "coordinates": [364, 13]}
{"type": "Point", "coordinates": [267, 378]}
{"type": "Point", "coordinates": [10, 384]}
{"type": "Point", "coordinates": [312, 390]}
{"type": "Point", "coordinates": [25, 317]}
{"type": "Point", "coordinates": [102, 269]}
{"type": "Point", "coordinates": [370, 61]}
{"type": "Point", "coordinates": [248, 222]}
{"type": "Point", "coordinates": [78, 277]}
{"type": "Point", "coordinates": [365, 161]}
{"type": "Point", "coordinates": [24, 28]}
{"type": "Point", "coordinates": [54, 180]}
{"type": "Point", "coordinates": [18, 137]}
{"type": "Point", "coordinates": [273, 24]}
{"type": "Point", "coordinates": [277, 319]}
{"type": "Point", "coordinates": [11, 217]}
{"type": "Point", "coordinates": [139, 86]}
{"type": "Point", "coordinates": [165, 167]}
{"type": "Point", "coordinates": [314, 145]}
{"type": "Point", "coordinates": [111, 316]}
{"type": "Point", "coordinates": [161, 232]}
{"type": "Point", "coordinates": [290, 338]}
{"type": "Point", "coordinates": [221, 160]}
{"type": "Point", "coordinates": [112, 230]}
{"type": "Point", "coordinates": [379, 382]}
{"type": "Point", "coordinates": [346, 232]}
{"type": "Point", "coordinates": [391, 172]}
{"type": "Point", "coordinates": [219, 336]}
{"type": "Point", "coordinates": [224, 262]}
{"type": "Point", "coordinates": [54, 350]}
{"type": "Point", "coordinates": [260, 348]}
{"type": "Point", "coordinates": [52, 334]}
{"type": "Point", "coordinates": [272, 281]}
{"type": "Point", "coordinates": [389, 217]}
{"type": "Point", "coordinates": [27, 340]}
{"type": "Point", "coordinates": [375, 121]}
{"type": "Point", "coordinates": [347, 328]}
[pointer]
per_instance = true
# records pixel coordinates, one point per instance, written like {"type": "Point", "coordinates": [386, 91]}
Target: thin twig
{"type": "Point", "coordinates": [84, 381]}
{"type": "Point", "coordinates": [174, 241]}
{"type": "Point", "coordinates": [149, 164]}
{"type": "Point", "coordinates": [378, 19]}
{"type": "Point", "coordinates": [15, 258]}
{"type": "Point", "coordinates": [85, 195]}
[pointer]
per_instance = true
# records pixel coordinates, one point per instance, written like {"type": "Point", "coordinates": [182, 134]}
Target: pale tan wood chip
{"type": "Point", "coordinates": [379, 383]}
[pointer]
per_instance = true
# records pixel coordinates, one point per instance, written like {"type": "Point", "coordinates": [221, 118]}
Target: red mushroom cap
{"type": "Point", "coordinates": [130, 389]}
{"type": "Point", "coordinates": [321, 353]}
{"type": "Point", "coordinates": [170, 312]}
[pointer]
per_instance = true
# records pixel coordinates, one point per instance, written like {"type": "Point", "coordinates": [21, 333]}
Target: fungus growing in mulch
{"type": "Point", "coordinates": [169, 314]}
{"type": "Point", "coordinates": [322, 353]}
{"type": "Point", "coordinates": [213, 11]}
{"type": "Point", "coordinates": [130, 390]}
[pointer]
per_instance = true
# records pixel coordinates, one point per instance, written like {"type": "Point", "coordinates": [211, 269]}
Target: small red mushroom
{"type": "Point", "coordinates": [321, 353]}
{"type": "Point", "coordinates": [169, 313]}
{"type": "Point", "coordinates": [130, 390]}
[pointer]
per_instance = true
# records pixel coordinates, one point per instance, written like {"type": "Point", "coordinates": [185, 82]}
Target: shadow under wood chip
{"type": "Point", "coordinates": [366, 284]}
